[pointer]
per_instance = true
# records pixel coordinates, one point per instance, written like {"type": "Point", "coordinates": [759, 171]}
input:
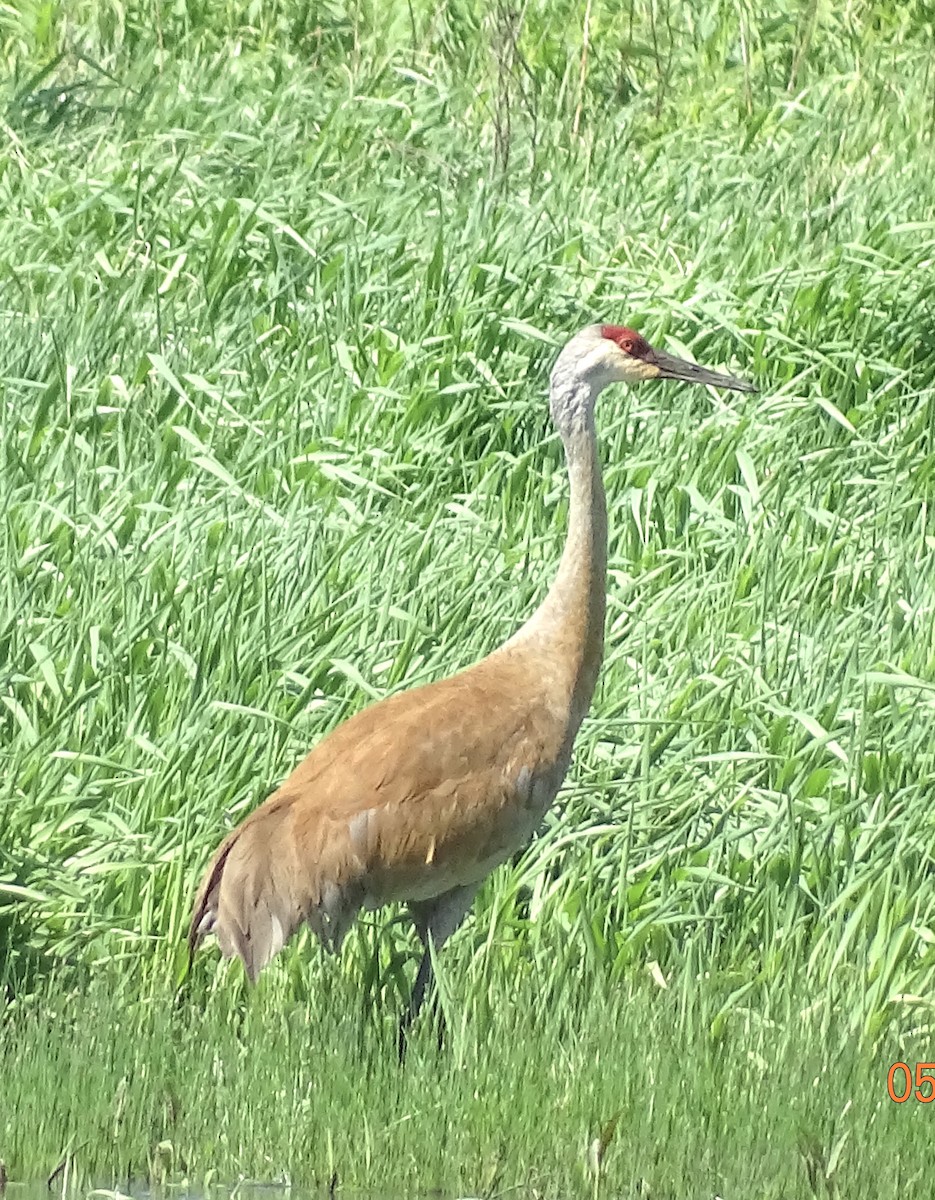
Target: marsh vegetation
{"type": "Point", "coordinates": [281, 284]}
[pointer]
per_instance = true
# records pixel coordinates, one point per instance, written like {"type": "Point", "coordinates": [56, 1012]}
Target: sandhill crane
{"type": "Point", "coordinates": [418, 797]}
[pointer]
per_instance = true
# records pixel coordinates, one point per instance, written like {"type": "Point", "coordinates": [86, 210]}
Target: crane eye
{"type": "Point", "coordinates": [627, 345]}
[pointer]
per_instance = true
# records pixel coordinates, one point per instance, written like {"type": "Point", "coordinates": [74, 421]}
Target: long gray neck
{"type": "Point", "coordinates": [571, 617]}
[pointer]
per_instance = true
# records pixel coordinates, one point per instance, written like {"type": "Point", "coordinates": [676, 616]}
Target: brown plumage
{"type": "Point", "coordinates": [418, 797]}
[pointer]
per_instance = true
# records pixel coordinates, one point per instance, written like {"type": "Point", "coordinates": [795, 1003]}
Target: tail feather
{"type": "Point", "coordinates": [256, 892]}
{"type": "Point", "coordinates": [204, 912]}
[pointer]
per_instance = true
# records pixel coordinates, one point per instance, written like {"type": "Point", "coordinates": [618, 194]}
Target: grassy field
{"type": "Point", "coordinates": [309, 1090]}
{"type": "Point", "coordinates": [280, 288]}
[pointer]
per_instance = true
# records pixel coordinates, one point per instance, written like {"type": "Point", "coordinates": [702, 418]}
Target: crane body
{"type": "Point", "coordinates": [417, 798]}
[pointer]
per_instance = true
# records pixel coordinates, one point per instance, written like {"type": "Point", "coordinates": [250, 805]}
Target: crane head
{"type": "Point", "coordinates": [633, 360]}
{"type": "Point", "coordinates": [604, 354]}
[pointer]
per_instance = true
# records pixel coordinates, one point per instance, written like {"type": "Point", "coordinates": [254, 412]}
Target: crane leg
{"type": "Point", "coordinates": [435, 921]}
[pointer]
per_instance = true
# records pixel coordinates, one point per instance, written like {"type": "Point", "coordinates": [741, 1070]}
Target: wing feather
{"type": "Point", "coordinates": [417, 794]}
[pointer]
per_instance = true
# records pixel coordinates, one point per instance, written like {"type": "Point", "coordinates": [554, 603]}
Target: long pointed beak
{"type": "Point", "coordinates": [671, 367]}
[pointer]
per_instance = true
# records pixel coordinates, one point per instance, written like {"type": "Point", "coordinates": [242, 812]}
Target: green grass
{"type": "Point", "coordinates": [278, 1089]}
{"type": "Point", "coordinates": [280, 290]}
